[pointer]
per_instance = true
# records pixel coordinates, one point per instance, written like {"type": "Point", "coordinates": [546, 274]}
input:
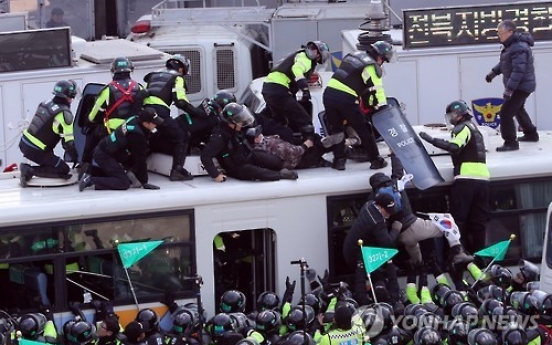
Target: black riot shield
{"type": "Point", "coordinates": [407, 146]}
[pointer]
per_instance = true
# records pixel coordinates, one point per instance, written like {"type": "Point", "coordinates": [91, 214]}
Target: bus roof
{"type": "Point", "coordinates": [54, 204]}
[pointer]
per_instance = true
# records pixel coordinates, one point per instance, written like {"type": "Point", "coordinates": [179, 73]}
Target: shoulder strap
{"type": "Point", "coordinates": [127, 96]}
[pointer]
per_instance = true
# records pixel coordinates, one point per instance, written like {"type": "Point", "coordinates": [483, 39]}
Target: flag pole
{"type": "Point", "coordinates": [132, 290]}
{"type": "Point", "coordinates": [512, 237]}
{"type": "Point", "coordinates": [360, 242]}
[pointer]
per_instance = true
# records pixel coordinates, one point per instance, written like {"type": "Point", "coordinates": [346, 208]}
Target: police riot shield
{"type": "Point", "coordinates": [399, 135]}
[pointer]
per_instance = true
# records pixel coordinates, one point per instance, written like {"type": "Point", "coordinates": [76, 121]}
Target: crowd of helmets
{"type": "Point", "coordinates": [501, 308]}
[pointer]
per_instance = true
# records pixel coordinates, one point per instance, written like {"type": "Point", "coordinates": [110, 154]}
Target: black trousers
{"type": "Point", "coordinates": [342, 107]}
{"type": "Point", "coordinates": [114, 178]}
{"type": "Point", "coordinates": [259, 166]}
{"type": "Point", "coordinates": [93, 136]}
{"type": "Point", "coordinates": [49, 165]}
{"type": "Point", "coordinates": [515, 108]}
{"type": "Point", "coordinates": [198, 129]}
{"type": "Point", "coordinates": [469, 205]}
{"type": "Point", "coordinates": [285, 108]}
{"type": "Point", "coordinates": [169, 138]}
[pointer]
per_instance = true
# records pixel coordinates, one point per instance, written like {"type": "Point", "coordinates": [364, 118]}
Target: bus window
{"type": "Point", "coordinates": [245, 261]}
{"type": "Point", "coordinates": [549, 244]}
{"type": "Point", "coordinates": [500, 228]}
{"type": "Point", "coordinates": [59, 263]}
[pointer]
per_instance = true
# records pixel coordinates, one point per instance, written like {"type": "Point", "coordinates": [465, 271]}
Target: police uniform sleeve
{"type": "Point", "coordinates": [213, 148]}
{"type": "Point", "coordinates": [100, 105]}
{"type": "Point", "coordinates": [138, 147]}
{"type": "Point", "coordinates": [387, 238]}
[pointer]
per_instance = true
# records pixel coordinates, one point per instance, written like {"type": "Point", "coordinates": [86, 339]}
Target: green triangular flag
{"type": "Point", "coordinates": [29, 342]}
{"type": "Point", "coordinates": [374, 257]}
{"type": "Point", "coordinates": [496, 251]}
{"type": "Point", "coordinates": [132, 252]}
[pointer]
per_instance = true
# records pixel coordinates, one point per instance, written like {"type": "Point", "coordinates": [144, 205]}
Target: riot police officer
{"type": "Point", "coordinates": [116, 102]}
{"type": "Point", "coordinates": [164, 88]}
{"type": "Point", "coordinates": [289, 76]}
{"type": "Point", "coordinates": [359, 77]}
{"type": "Point", "coordinates": [125, 148]}
{"type": "Point", "coordinates": [52, 121]}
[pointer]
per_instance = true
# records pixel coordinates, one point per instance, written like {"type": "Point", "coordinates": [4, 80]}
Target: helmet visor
{"type": "Point", "coordinates": [244, 117]}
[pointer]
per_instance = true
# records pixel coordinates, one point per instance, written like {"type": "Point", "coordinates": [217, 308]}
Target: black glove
{"type": "Point", "coordinates": [490, 76]}
{"type": "Point", "coordinates": [325, 281]}
{"type": "Point", "coordinates": [306, 95]}
{"type": "Point", "coordinates": [507, 94]}
{"type": "Point", "coordinates": [71, 154]}
{"type": "Point", "coordinates": [150, 186]}
{"type": "Point", "coordinates": [290, 289]}
{"type": "Point", "coordinates": [426, 137]}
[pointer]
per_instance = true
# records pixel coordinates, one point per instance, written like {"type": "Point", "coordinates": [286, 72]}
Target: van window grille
{"type": "Point", "coordinates": [193, 80]}
{"type": "Point", "coordinates": [225, 69]}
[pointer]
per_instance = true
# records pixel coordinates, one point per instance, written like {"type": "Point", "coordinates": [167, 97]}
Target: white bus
{"type": "Point", "coordinates": [48, 233]}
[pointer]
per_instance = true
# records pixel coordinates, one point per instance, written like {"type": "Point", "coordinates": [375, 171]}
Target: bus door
{"type": "Point", "coordinates": [546, 264]}
{"type": "Point", "coordinates": [245, 261]}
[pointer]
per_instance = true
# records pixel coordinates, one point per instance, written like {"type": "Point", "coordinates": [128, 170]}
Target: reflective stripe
{"type": "Point", "coordinates": [336, 84]}
{"type": "Point", "coordinates": [4, 266]}
{"type": "Point", "coordinates": [154, 100]}
{"type": "Point", "coordinates": [278, 78]}
{"type": "Point", "coordinates": [34, 140]}
{"type": "Point", "coordinates": [49, 268]}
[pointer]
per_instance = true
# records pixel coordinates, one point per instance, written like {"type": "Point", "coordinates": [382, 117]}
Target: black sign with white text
{"type": "Point", "coordinates": [453, 26]}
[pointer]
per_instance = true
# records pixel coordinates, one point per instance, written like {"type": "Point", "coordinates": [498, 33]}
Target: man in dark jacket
{"type": "Point", "coordinates": [125, 148]}
{"type": "Point", "coordinates": [371, 226]}
{"type": "Point", "coordinates": [518, 76]}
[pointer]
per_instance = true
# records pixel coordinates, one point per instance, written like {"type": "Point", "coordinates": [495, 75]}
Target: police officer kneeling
{"type": "Point", "coordinates": [124, 149]}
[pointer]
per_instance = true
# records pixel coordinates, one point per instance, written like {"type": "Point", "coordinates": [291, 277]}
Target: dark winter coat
{"type": "Point", "coordinates": [516, 63]}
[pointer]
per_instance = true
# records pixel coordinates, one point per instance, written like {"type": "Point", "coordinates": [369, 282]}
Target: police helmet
{"type": "Point", "coordinates": [457, 332]}
{"type": "Point", "coordinates": [544, 302]}
{"type": "Point", "coordinates": [222, 98]}
{"type": "Point", "coordinates": [459, 108]}
{"type": "Point", "coordinates": [312, 300]}
{"type": "Point", "coordinates": [185, 321]}
{"type": "Point", "coordinates": [427, 319]}
{"type": "Point", "coordinates": [66, 328]}
{"type": "Point", "coordinates": [268, 322]}
{"type": "Point", "coordinates": [320, 47]}
{"type": "Point", "coordinates": [481, 336]}
{"type": "Point", "coordinates": [466, 311]}
{"type": "Point", "coordinates": [232, 301]}
{"type": "Point", "coordinates": [81, 333]}
{"type": "Point", "coordinates": [385, 50]}
{"type": "Point", "coordinates": [488, 306]}
{"type": "Point", "coordinates": [178, 61]}
{"type": "Point", "coordinates": [372, 321]}
{"type": "Point", "coordinates": [501, 276]}
{"type": "Point", "coordinates": [299, 337]}
{"type": "Point", "coordinates": [295, 319]}
{"type": "Point", "coordinates": [65, 89]}
{"type": "Point", "coordinates": [247, 341]}
{"type": "Point", "coordinates": [529, 270]}
{"type": "Point", "coordinates": [121, 64]}
{"type": "Point", "coordinates": [438, 291]}
{"type": "Point", "coordinates": [427, 336]}
{"type": "Point", "coordinates": [32, 325]}
{"type": "Point", "coordinates": [450, 299]}
{"type": "Point", "coordinates": [148, 317]}
{"type": "Point", "coordinates": [220, 324]}
{"type": "Point", "coordinates": [387, 313]}
{"type": "Point", "coordinates": [268, 300]}
{"type": "Point", "coordinates": [489, 292]}
{"type": "Point", "coordinates": [524, 302]}
{"type": "Point", "coordinates": [514, 334]}
{"type": "Point", "coordinates": [235, 113]}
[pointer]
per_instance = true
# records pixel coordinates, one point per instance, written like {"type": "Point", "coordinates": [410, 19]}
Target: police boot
{"type": "Point", "coordinates": [378, 163]}
{"type": "Point", "coordinates": [26, 173]}
{"type": "Point", "coordinates": [459, 256]}
{"type": "Point", "coordinates": [178, 173]}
